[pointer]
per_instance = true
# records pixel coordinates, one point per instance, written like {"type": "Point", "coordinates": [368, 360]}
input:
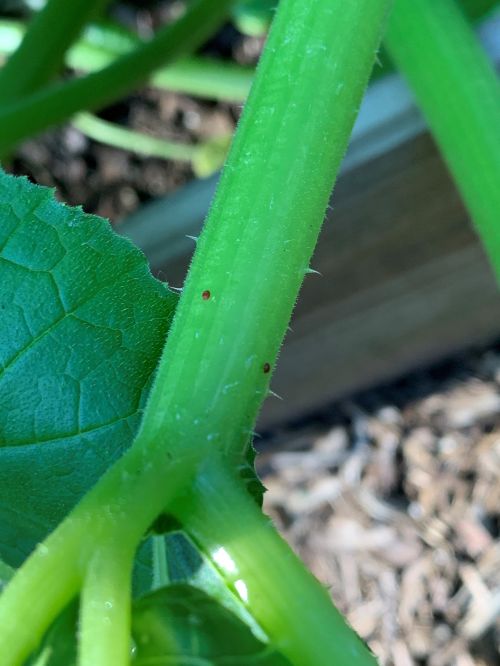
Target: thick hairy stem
{"type": "Point", "coordinates": [105, 606]}
{"type": "Point", "coordinates": [261, 231]}
{"type": "Point", "coordinates": [459, 93]}
{"type": "Point", "coordinates": [233, 313]}
{"type": "Point", "coordinates": [262, 570]}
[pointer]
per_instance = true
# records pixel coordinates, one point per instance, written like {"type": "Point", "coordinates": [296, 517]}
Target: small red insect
{"type": "Point", "coordinates": [205, 295]}
{"type": "Point", "coordinates": [266, 367]}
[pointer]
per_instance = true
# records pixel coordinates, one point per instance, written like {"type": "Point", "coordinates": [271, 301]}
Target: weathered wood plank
{"type": "Point", "coordinates": [404, 281]}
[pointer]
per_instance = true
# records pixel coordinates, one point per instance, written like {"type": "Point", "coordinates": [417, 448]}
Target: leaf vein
{"type": "Point", "coordinates": [72, 435]}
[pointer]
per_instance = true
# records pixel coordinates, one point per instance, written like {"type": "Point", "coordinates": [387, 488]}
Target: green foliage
{"type": "Point", "coordinates": [178, 624]}
{"type": "Point", "coordinates": [6, 574]}
{"type": "Point", "coordinates": [80, 340]}
{"type": "Point", "coordinates": [80, 311]}
{"type": "Point", "coordinates": [187, 564]}
{"type": "Point", "coordinates": [253, 17]}
{"type": "Point", "coordinates": [208, 615]}
{"type": "Point", "coordinates": [24, 73]}
{"type": "Point", "coordinates": [60, 101]}
{"type": "Point", "coordinates": [458, 91]}
{"type": "Point", "coordinates": [82, 326]}
{"type": "Point", "coordinates": [182, 625]}
{"type": "Point", "coordinates": [58, 647]}
{"type": "Point", "coordinates": [247, 472]}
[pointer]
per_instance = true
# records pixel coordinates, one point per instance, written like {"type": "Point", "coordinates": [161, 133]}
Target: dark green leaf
{"type": "Point", "coordinates": [179, 621]}
{"type": "Point", "coordinates": [186, 564]}
{"type": "Point", "coordinates": [82, 324]}
{"type": "Point", "coordinates": [6, 574]}
{"type": "Point", "coordinates": [182, 625]}
{"type": "Point", "coordinates": [249, 475]}
{"type": "Point", "coordinates": [58, 647]}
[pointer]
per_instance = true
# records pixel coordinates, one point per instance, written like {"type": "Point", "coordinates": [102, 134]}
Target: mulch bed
{"type": "Point", "coordinates": [396, 508]}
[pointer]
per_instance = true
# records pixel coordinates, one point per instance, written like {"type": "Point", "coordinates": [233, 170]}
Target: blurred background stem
{"type": "Point", "coordinates": [458, 90]}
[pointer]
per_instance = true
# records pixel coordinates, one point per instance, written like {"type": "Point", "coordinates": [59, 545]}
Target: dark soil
{"type": "Point", "coordinates": [111, 182]}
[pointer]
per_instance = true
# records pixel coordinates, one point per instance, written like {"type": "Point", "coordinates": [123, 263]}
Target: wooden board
{"type": "Point", "coordinates": [404, 281]}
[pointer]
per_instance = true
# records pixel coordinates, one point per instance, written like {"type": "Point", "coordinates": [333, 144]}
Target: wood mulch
{"type": "Point", "coordinates": [396, 508]}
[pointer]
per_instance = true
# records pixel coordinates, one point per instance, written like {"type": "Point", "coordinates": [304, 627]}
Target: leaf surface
{"type": "Point", "coordinates": [82, 325]}
{"type": "Point", "coordinates": [188, 565]}
{"type": "Point", "coordinates": [249, 475]}
{"type": "Point", "coordinates": [178, 624]}
{"type": "Point", "coordinates": [58, 647]}
{"type": "Point", "coordinates": [6, 574]}
{"type": "Point", "coordinates": [183, 625]}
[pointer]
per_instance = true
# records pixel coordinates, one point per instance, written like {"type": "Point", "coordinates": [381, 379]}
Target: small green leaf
{"type": "Point", "coordinates": [249, 475]}
{"type": "Point", "coordinates": [253, 17]}
{"type": "Point", "coordinates": [187, 564]}
{"type": "Point", "coordinates": [6, 574]}
{"type": "Point", "coordinates": [182, 625]}
{"type": "Point", "coordinates": [58, 647]}
{"type": "Point", "coordinates": [82, 325]}
{"type": "Point", "coordinates": [179, 621]}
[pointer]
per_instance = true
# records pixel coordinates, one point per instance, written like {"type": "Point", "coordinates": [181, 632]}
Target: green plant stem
{"type": "Point", "coordinates": [194, 75]}
{"type": "Point", "coordinates": [137, 142]}
{"type": "Point", "coordinates": [205, 158]}
{"type": "Point", "coordinates": [105, 608]}
{"type": "Point", "coordinates": [160, 563]}
{"type": "Point", "coordinates": [102, 45]}
{"type": "Point", "coordinates": [208, 78]}
{"type": "Point", "coordinates": [50, 577]}
{"type": "Point", "coordinates": [459, 93]}
{"type": "Point", "coordinates": [41, 53]}
{"type": "Point", "coordinates": [120, 507]}
{"type": "Point", "coordinates": [255, 250]}
{"type": "Point", "coordinates": [259, 236]}
{"type": "Point", "coordinates": [232, 316]}
{"type": "Point", "coordinates": [267, 576]}
{"type": "Point", "coordinates": [202, 77]}
{"type": "Point", "coordinates": [56, 103]}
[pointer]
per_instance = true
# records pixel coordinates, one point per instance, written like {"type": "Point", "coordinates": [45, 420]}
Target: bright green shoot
{"type": "Point", "coordinates": [206, 158]}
